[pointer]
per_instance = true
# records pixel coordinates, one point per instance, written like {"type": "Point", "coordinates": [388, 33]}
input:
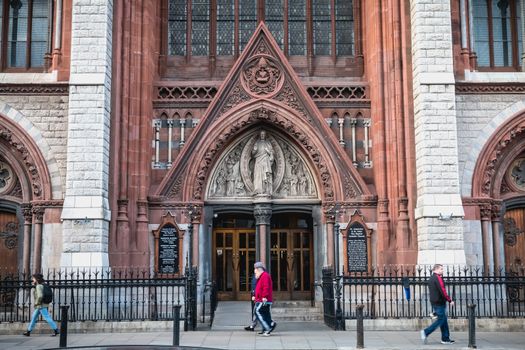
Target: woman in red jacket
{"type": "Point", "coordinates": [263, 298]}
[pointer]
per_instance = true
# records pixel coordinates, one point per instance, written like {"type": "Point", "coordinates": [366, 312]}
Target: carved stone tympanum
{"type": "Point", "coordinates": [262, 164]}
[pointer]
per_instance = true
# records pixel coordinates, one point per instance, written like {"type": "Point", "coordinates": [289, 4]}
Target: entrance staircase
{"type": "Point", "coordinates": [235, 315]}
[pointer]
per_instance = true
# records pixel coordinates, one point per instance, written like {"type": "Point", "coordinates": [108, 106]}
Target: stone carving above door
{"type": "Point", "coordinates": [261, 164]}
{"type": "Point", "coordinates": [7, 178]}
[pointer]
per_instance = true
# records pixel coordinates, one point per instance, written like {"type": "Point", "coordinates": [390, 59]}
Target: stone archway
{"type": "Point", "coordinates": [26, 187]}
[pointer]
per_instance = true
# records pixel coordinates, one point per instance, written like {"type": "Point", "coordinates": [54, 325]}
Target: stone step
{"type": "Point", "coordinates": [296, 318]}
{"type": "Point", "coordinates": [296, 310]}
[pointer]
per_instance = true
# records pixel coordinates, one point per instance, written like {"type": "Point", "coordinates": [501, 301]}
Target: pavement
{"type": "Point", "coordinates": [293, 335]}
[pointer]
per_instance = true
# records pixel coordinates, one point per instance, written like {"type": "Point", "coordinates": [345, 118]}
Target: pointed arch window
{"type": "Point", "coordinates": [25, 34]}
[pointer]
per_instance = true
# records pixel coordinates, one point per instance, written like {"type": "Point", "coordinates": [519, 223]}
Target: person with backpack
{"type": "Point", "coordinates": [43, 296]}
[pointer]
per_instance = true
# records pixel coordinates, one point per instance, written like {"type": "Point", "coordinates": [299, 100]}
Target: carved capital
{"type": "Point", "coordinates": [496, 212]}
{"type": "Point", "coordinates": [38, 214]}
{"type": "Point", "coordinates": [27, 212]}
{"type": "Point", "coordinates": [485, 212]}
{"type": "Point", "coordinates": [262, 213]}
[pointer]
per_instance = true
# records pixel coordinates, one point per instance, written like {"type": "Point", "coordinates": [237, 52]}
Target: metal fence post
{"type": "Point", "coordinates": [63, 325]}
{"type": "Point", "coordinates": [360, 336]}
{"type": "Point", "coordinates": [176, 325]}
{"type": "Point", "coordinates": [471, 326]}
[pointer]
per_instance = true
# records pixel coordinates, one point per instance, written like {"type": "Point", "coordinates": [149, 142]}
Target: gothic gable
{"type": "Point", "coordinates": [261, 88]}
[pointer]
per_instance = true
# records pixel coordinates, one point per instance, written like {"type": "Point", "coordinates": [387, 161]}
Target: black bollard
{"type": "Point", "coordinates": [63, 325]}
{"type": "Point", "coordinates": [176, 325]}
{"type": "Point", "coordinates": [471, 326]}
{"type": "Point", "coordinates": [360, 331]}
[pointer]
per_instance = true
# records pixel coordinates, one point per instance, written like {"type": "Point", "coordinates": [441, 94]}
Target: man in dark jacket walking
{"type": "Point", "coordinates": [438, 299]}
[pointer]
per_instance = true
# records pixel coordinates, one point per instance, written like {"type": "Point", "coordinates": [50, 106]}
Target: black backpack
{"type": "Point", "coordinates": [48, 294]}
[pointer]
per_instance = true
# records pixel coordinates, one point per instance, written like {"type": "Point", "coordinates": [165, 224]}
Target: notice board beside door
{"type": "Point", "coordinates": [357, 245]}
{"type": "Point", "coordinates": [168, 247]}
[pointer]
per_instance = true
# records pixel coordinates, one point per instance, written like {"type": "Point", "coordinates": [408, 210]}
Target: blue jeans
{"type": "Point", "coordinates": [441, 322]}
{"type": "Point", "coordinates": [45, 315]}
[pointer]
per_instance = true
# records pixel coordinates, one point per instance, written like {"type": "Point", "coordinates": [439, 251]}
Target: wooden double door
{"type": "Point", "coordinates": [291, 263]}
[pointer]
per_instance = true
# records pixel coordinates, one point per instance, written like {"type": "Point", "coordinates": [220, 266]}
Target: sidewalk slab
{"type": "Point", "coordinates": [283, 338]}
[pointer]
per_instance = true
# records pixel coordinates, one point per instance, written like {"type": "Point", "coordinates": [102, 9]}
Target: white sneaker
{"type": "Point", "coordinates": [423, 336]}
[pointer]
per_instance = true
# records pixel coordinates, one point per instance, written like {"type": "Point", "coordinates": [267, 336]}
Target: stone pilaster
{"type": "Point", "coordinates": [439, 210]}
{"type": "Point", "coordinates": [86, 211]}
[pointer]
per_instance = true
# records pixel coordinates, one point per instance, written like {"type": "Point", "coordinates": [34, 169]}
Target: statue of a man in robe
{"type": "Point", "coordinates": [263, 154]}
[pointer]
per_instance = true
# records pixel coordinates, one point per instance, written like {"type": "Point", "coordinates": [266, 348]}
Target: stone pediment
{"type": "Point", "coordinates": [262, 77]}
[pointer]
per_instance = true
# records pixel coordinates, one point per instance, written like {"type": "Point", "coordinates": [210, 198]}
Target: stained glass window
{"type": "Point", "coordinates": [297, 28]}
{"type": "Point", "coordinates": [200, 27]}
{"type": "Point", "coordinates": [344, 27]}
{"type": "Point", "coordinates": [177, 27]}
{"type": "Point", "coordinates": [274, 12]}
{"type": "Point", "coordinates": [234, 22]}
{"type": "Point", "coordinates": [322, 27]}
{"type": "Point", "coordinates": [247, 20]}
{"type": "Point", "coordinates": [225, 27]}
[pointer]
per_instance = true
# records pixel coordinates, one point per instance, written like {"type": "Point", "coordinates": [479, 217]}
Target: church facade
{"type": "Point", "coordinates": [304, 134]}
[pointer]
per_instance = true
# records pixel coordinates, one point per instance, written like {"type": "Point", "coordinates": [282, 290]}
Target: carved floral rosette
{"type": "Point", "coordinates": [515, 177]}
{"type": "Point", "coordinates": [261, 76]}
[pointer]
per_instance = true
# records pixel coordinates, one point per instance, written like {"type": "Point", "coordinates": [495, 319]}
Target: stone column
{"type": "Point", "coordinates": [439, 210]}
{"type": "Point", "coordinates": [486, 239]}
{"type": "Point", "coordinates": [86, 212]}
{"type": "Point", "coordinates": [26, 255]}
{"type": "Point", "coordinates": [263, 214]}
{"type": "Point", "coordinates": [38, 219]}
{"type": "Point", "coordinates": [497, 240]}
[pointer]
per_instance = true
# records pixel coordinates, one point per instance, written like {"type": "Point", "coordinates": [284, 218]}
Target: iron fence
{"type": "Point", "coordinates": [401, 292]}
{"type": "Point", "coordinates": [102, 295]}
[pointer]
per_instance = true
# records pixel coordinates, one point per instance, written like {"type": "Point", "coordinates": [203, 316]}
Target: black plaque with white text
{"type": "Point", "coordinates": [168, 259]}
{"type": "Point", "coordinates": [357, 250]}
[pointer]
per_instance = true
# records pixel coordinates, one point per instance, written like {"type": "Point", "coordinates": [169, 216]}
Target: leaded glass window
{"type": "Point", "coordinates": [225, 27]}
{"type": "Point", "coordinates": [497, 32]}
{"type": "Point", "coordinates": [322, 27]}
{"type": "Point", "coordinates": [344, 27]}
{"type": "Point", "coordinates": [297, 28]}
{"type": "Point", "coordinates": [177, 27]}
{"type": "Point", "coordinates": [274, 13]}
{"type": "Point", "coordinates": [247, 20]}
{"type": "Point", "coordinates": [200, 27]}
{"type": "Point", "coordinates": [234, 22]}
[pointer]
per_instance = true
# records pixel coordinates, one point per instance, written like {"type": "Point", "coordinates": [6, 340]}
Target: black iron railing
{"type": "Point", "coordinates": [101, 295]}
{"type": "Point", "coordinates": [401, 292]}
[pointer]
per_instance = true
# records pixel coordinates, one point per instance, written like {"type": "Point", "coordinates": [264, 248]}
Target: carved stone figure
{"type": "Point", "coordinates": [263, 154]}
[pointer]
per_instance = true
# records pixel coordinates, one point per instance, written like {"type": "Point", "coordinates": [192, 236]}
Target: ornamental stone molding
{"type": "Point", "coordinates": [8, 179]}
{"type": "Point", "coordinates": [492, 155]}
{"type": "Point", "coordinates": [277, 120]}
{"type": "Point", "coordinates": [17, 146]}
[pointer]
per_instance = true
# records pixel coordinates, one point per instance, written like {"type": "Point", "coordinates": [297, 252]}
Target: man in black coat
{"type": "Point", "coordinates": [438, 299]}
